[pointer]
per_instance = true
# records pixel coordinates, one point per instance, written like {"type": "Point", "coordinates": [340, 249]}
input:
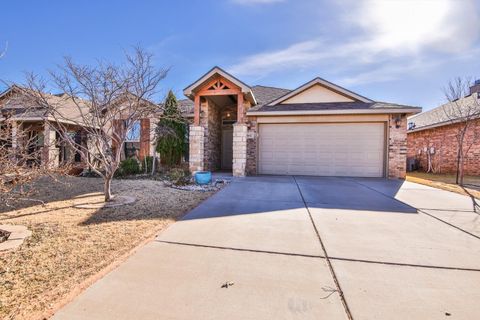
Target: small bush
{"type": "Point", "coordinates": [179, 176]}
{"type": "Point", "coordinates": [129, 167]}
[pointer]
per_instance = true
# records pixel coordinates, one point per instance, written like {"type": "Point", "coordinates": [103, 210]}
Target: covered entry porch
{"type": "Point", "coordinates": [218, 134]}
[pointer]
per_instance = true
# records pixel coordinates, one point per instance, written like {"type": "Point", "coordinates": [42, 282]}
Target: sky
{"type": "Point", "coordinates": [401, 51]}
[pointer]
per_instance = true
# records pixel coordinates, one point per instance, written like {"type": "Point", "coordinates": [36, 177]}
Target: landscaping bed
{"type": "Point", "coordinates": [69, 246]}
{"type": "Point", "coordinates": [470, 188]}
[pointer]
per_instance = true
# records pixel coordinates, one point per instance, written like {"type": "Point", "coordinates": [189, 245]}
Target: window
{"type": "Point", "coordinates": [133, 134]}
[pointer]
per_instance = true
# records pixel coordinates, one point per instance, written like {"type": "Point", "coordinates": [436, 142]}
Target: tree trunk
{"type": "Point", "coordinates": [107, 189]}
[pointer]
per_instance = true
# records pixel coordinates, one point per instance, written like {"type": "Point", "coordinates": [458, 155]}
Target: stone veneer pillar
{"type": "Point", "coordinates": [50, 153]}
{"type": "Point", "coordinates": [197, 144]}
{"type": "Point", "coordinates": [239, 149]}
{"type": "Point", "coordinates": [397, 147]}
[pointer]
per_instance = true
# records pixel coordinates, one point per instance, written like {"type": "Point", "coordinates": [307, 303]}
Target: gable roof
{"type": "Point", "coordinates": [442, 115]}
{"type": "Point", "coordinates": [189, 90]}
{"type": "Point", "coordinates": [324, 83]}
{"type": "Point", "coordinates": [263, 95]}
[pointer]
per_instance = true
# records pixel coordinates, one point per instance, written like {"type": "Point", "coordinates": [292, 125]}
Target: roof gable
{"type": "Point", "coordinates": [216, 72]}
{"type": "Point", "coordinates": [320, 91]}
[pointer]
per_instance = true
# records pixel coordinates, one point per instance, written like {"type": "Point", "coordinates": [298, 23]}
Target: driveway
{"type": "Point", "coordinates": [303, 248]}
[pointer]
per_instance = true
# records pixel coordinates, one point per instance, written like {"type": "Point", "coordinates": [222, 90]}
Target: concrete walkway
{"type": "Point", "coordinates": [289, 246]}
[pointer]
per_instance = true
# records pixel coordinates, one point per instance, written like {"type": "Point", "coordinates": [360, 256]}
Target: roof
{"type": "Point", "coordinates": [333, 107]}
{"type": "Point", "coordinates": [16, 101]}
{"type": "Point", "coordinates": [444, 114]}
{"type": "Point", "coordinates": [323, 83]}
{"type": "Point", "coordinates": [263, 95]}
{"type": "Point", "coordinates": [189, 90]}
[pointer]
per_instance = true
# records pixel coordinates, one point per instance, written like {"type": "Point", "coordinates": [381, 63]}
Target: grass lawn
{"type": "Point", "coordinates": [447, 182]}
{"type": "Point", "coordinates": [69, 247]}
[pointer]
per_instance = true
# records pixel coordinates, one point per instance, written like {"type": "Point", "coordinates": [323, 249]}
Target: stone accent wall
{"type": "Point", "coordinates": [239, 149]}
{"type": "Point", "coordinates": [397, 147]}
{"type": "Point", "coordinates": [444, 143]}
{"type": "Point", "coordinates": [252, 134]}
{"type": "Point", "coordinates": [210, 119]}
{"type": "Point", "coordinates": [197, 144]}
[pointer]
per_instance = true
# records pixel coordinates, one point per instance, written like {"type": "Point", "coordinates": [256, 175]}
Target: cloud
{"type": "Point", "coordinates": [253, 2]}
{"type": "Point", "coordinates": [400, 32]}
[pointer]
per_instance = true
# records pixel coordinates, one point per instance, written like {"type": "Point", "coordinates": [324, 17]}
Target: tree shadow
{"type": "Point", "coordinates": [47, 189]}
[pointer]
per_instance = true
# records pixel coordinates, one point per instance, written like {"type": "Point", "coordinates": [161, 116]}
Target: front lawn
{"type": "Point", "coordinates": [69, 247]}
{"type": "Point", "coordinates": [470, 188]}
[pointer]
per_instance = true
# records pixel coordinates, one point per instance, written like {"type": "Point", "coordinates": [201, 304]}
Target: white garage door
{"type": "Point", "coordinates": [321, 149]}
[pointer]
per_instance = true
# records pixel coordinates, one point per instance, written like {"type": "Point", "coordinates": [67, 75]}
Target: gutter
{"type": "Point", "coordinates": [328, 112]}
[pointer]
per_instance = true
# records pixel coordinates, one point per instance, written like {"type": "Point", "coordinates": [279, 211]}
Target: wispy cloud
{"type": "Point", "coordinates": [399, 32]}
{"type": "Point", "coordinates": [253, 2]}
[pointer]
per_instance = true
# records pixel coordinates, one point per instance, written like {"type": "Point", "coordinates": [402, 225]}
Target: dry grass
{"type": "Point", "coordinates": [447, 182]}
{"type": "Point", "coordinates": [70, 245]}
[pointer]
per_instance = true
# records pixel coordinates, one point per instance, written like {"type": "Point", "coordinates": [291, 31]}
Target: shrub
{"type": "Point", "coordinates": [179, 176]}
{"type": "Point", "coordinates": [129, 167]}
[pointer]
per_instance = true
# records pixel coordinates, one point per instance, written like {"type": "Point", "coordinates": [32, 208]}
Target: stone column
{"type": "Point", "coordinates": [197, 145]}
{"type": "Point", "coordinates": [14, 132]}
{"type": "Point", "coordinates": [239, 149]}
{"type": "Point", "coordinates": [397, 147]}
{"type": "Point", "coordinates": [50, 153]}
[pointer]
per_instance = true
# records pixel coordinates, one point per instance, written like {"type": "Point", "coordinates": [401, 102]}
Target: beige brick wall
{"type": "Point", "coordinates": [397, 147]}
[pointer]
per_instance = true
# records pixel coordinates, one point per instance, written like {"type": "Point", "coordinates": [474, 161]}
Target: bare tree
{"type": "Point", "coordinates": [462, 110]}
{"type": "Point", "coordinates": [106, 101]}
{"type": "Point", "coordinates": [22, 158]}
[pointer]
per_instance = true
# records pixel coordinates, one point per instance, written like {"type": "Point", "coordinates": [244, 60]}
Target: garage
{"type": "Point", "coordinates": [322, 149]}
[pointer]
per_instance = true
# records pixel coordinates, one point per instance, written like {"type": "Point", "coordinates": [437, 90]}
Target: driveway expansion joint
{"type": "Point", "coordinates": [419, 210]}
{"type": "Point", "coordinates": [291, 254]}
{"type": "Point", "coordinates": [327, 259]}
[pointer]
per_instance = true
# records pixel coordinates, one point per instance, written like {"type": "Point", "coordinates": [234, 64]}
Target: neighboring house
{"type": "Point", "coordinates": [433, 134]}
{"type": "Point", "coordinates": [34, 122]}
{"type": "Point", "coordinates": [317, 129]}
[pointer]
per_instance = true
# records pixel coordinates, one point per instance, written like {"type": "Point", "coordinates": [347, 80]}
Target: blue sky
{"type": "Point", "coordinates": [401, 51]}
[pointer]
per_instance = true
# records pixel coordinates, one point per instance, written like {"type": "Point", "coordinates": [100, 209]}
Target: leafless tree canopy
{"type": "Point", "coordinates": [105, 101]}
{"type": "Point", "coordinates": [462, 110]}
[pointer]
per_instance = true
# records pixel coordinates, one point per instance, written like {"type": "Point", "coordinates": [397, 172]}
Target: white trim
{"type": "Point", "coordinates": [323, 83]}
{"type": "Point", "coordinates": [314, 112]}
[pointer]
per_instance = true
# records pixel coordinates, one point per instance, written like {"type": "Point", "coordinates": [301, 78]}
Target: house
{"type": "Point", "coordinates": [319, 129]}
{"type": "Point", "coordinates": [432, 134]}
{"type": "Point", "coordinates": [34, 123]}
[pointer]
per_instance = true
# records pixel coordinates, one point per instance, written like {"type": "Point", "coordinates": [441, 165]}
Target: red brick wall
{"type": "Point", "coordinates": [444, 142]}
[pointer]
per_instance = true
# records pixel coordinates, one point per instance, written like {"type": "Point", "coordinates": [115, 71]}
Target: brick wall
{"type": "Point", "coordinates": [444, 143]}
{"type": "Point", "coordinates": [251, 166]}
{"type": "Point", "coordinates": [397, 147]}
{"type": "Point", "coordinates": [211, 121]}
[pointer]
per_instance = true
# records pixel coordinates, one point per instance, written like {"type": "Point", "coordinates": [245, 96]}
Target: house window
{"type": "Point", "coordinates": [131, 146]}
{"type": "Point", "coordinates": [133, 134]}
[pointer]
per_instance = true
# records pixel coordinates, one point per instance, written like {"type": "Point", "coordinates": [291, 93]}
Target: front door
{"type": "Point", "coordinates": [227, 148]}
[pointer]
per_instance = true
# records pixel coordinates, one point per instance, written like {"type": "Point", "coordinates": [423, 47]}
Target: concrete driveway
{"type": "Point", "coordinates": [303, 248]}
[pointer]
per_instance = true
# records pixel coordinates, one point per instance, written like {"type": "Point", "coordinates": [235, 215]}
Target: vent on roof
{"type": "Point", "coordinates": [411, 125]}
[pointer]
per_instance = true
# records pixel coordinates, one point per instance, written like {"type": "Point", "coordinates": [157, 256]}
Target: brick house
{"type": "Point", "coordinates": [318, 129]}
{"type": "Point", "coordinates": [34, 121]}
{"type": "Point", "coordinates": [433, 134]}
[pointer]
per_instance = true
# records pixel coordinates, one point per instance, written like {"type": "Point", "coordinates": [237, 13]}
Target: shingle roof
{"type": "Point", "coordinates": [334, 106]}
{"type": "Point", "coordinates": [442, 115]}
{"type": "Point", "coordinates": [263, 95]}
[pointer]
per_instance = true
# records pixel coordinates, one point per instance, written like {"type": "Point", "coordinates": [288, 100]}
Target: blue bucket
{"type": "Point", "coordinates": [203, 177]}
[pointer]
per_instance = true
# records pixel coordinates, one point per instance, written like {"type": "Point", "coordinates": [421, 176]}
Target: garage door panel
{"type": "Point", "coordinates": [340, 149]}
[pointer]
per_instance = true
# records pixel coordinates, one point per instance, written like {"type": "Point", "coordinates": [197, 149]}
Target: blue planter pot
{"type": "Point", "coordinates": [203, 177]}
